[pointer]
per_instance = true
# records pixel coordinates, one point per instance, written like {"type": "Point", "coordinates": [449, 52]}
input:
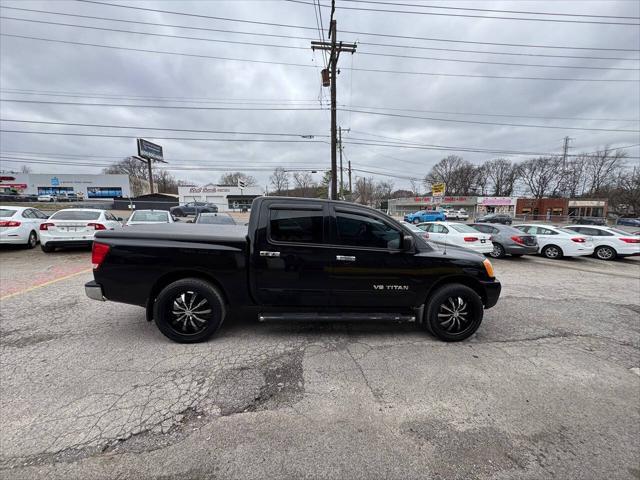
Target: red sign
{"type": "Point", "coordinates": [6, 179]}
{"type": "Point", "coordinates": [19, 186]}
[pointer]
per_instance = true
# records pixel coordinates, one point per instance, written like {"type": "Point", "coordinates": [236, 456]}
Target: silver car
{"type": "Point", "coordinates": [508, 240]}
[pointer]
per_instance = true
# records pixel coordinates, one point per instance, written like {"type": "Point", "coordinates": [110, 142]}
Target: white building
{"type": "Point", "coordinates": [226, 197]}
{"type": "Point", "coordinates": [90, 186]}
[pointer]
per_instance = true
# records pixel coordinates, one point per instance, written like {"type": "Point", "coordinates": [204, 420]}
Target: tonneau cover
{"type": "Point", "coordinates": [191, 232]}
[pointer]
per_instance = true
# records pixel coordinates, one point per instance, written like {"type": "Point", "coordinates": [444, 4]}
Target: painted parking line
{"type": "Point", "coordinates": [44, 284]}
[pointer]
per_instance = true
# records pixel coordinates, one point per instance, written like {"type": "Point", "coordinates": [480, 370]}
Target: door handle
{"type": "Point", "coordinates": [345, 258]}
{"type": "Point", "coordinates": [266, 253]}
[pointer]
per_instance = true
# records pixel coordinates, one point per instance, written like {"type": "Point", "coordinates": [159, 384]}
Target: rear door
{"type": "Point", "coordinates": [369, 268]}
{"type": "Point", "coordinates": [290, 257]}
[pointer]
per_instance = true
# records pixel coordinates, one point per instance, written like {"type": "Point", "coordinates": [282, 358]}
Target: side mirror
{"type": "Point", "coordinates": [408, 243]}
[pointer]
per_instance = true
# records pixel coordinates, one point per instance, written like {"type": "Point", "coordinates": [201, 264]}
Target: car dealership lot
{"type": "Point", "coordinates": [548, 387]}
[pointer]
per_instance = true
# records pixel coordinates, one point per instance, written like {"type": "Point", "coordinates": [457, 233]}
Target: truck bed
{"type": "Point", "coordinates": [235, 235]}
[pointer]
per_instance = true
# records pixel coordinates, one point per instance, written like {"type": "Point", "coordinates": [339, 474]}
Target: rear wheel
{"type": "Point", "coordinates": [552, 251]}
{"type": "Point", "coordinates": [416, 221]}
{"type": "Point", "coordinates": [47, 248]}
{"type": "Point", "coordinates": [605, 253]}
{"type": "Point", "coordinates": [32, 241]}
{"type": "Point", "coordinates": [189, 310]}
{"type": "Point", "coordinates": [453, 313]}
{"type": "Point", "coordinates": [178, 213]}
{"type": "Point", "coordinates": [498, 251]}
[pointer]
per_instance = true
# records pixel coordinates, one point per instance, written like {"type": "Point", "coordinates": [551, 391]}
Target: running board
{"type": "Point", "coordinates": [336, 317]}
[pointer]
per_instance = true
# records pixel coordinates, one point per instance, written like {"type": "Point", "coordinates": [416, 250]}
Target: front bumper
{"type": "Point", "coordinates": [492, 292]}
{"type": "Point", "coordinates": [93, 290]}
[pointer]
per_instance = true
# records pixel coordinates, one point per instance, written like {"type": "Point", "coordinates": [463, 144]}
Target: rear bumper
{"type": "Point", "coordinates": [521, 249]}
{"type": "Point", "coordinates": [492, 293]}
{"type": "Point", "coordinates": [93, 290]}
{"type": "Point", "coordinates": [68, 243]}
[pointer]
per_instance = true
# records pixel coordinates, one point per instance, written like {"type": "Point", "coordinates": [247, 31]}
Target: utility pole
{"type": "Point", "coordinates": [565, 154]}
{"type": "Point", "coordinates": [334, 49]}
{"type": "Point", "coordinates": [350, 188]}
{"type": "Point", "coordinates": [340, 143]}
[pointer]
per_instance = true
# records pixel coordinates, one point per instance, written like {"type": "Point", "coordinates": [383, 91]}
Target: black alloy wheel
{"type": "Point", "coordinates": [454, 313]}
{"type": "Point", "coordinates": [189, 310]}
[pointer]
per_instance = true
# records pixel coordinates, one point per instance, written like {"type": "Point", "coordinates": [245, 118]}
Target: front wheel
{"type": "Point", "coordinates": [605, 253]}
{"type": "Point", "coordinates": [189, 310]}
{"type": "Point", "coordinates": [416, 221]}
{"type": "Point", "coordinates": [453, 313]}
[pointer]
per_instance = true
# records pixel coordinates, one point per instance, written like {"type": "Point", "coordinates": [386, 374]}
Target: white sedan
{"type": "Point", "coordinates": [146, 217]}
{"type": "Point", "coordinates": [609, 242]}
{"type": "Point", "coordinates": [75, 227]}
{"type": "Point", "coordinates": [557, 242]}
{"type": "Point", "coordinates": [20, 225]}
{"type": "Point", "coordinates": [458, 234]}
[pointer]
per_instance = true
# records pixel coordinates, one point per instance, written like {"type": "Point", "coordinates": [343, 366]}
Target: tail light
{"type": "Point", "coordinates": [518, 239]}
{"type": "Point", "coordinates": [98, 253]}
{"type": "Point", "coordinates": [97, 226]}
{"type": "Point", "coordinates": [9, 223]}
{"type": "Point", "coordinates": [578, 239]}
{"type": "Point", "coordinates": [630, 240]}
{"type": "Point", "coordinates": [470, 239]}
{"type": "Point", "coordinates": [46, 225]}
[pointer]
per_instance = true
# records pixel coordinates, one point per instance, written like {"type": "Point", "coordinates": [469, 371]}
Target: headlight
{"type": "Point", "coordinates": [488, 267]}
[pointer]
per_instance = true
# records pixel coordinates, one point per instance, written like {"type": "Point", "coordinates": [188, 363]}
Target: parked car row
{"type": "Point", "coordinates": [497, 240]}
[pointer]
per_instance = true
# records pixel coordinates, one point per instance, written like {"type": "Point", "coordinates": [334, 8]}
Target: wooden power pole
{"type": "Point", "coordinates": [334, 48]}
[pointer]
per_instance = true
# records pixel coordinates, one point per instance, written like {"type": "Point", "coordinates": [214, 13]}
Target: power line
{"type": "Point", "coordinates": [353, 110]}
{"type": "Point", "coordinates": [477, 122]}
{"type": "Point", "coordinates": [185, 130]}
{"type": "Point", "coordinates": [490, 10]}
{"type": "Point", "coordinates": [293, 47]}
{"type": "Point", "coordinates": [280, 101]}
{"type": "Point", "coordinates": [463, 15]}
{"type": "Point", "coordinates": [439, 74]}
{"type": "Point", "coordinates": [344, 31]}
{"type": "Point", "coordinates": [431, 39]}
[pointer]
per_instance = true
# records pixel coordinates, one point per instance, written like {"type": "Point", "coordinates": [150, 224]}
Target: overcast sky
{"type": "Point", "coordinates": [35, 70]}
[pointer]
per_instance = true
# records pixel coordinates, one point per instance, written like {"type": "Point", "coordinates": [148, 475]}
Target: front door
{"type": "Point", "coordinates": [369, 268]}
{"type": "Point", "coordinates": [289, 260]}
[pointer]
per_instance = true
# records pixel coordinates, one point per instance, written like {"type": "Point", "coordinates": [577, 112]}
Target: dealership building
{"type": "Point", "coordinates": [226, 197]}
{"type": "Point", "coordinates": [474, 205]}
{"type": "Point", "coordinates": [105, 186]}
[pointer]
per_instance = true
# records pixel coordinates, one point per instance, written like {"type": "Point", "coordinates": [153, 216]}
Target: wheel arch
{"type": "Point", "coordinates": [461, 279]}
{"type": "Point", "coordinates": [171, 277]}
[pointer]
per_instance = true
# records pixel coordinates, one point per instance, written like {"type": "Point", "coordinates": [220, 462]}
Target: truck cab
{"type": "Point", "coordinates": [300, 259]}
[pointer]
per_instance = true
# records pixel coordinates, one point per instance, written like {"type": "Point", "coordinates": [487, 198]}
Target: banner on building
{"type": "Point", "coordinates": [438, 189]}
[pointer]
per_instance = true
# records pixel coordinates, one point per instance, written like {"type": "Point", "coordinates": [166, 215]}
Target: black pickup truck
{"type": "Point", "coordinates": [300, 259]}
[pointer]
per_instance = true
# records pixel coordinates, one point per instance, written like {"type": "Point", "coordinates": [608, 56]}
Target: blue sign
{"type": "Point", "coordinates": [54, 181]}
{"type": "Point", "coordinates": [149, 150]}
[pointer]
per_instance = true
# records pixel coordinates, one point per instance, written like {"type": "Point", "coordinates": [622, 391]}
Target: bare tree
{"type": "Point", "coordinates": [415, 187]}
{"type": "Point", "coordinates": [232, 178]}
{"type": "Point", "coordinates": [136, 170]}
{"type": "Point", "coordinates": [627, 195]}
{"type": "Point", "coordinates": [574, 179]}
{"type": "Point", "coordinates": [602, 168]}
{"type": "Point", "coordinates": [502, 175]}
{"type": "Point", "coordinates": [382, 191]}
{"type": "Point", "coordinates": [26, 169]}
{"type": "Point", "coordinates": [542, 176]}
{"type": "Point", "coordinates": [364, 191]}
{"type": "Point", "coordinates": [460, 176]}
{"type": "Point", "coordinates": [279, 181]}
{"type": "Point", "coordinates": [444, 171]}
{"type": "Point", "coordinates": [165, 182]}
{"type": "Point", "coordinates": [303, 182]}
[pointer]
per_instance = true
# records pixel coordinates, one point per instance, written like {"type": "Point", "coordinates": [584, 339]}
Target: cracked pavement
{"type": "Point", "coordinates": [548, 387]}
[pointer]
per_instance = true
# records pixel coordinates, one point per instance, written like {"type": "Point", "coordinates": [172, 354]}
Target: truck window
{"type": "Point", "coordinates": [301, 226]}
{"type": "Point", "coordinates": [363, 231]}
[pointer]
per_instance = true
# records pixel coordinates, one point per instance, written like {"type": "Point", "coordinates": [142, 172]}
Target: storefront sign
{"type": "Point", "coordinates": [437, 189]}
{"type": "Point", "coordinates": [149, 150]}
{"type": "Point", "coordinates": [497, 201]}
{"type": "Point", "coordinates": [464, 200]}
{"type": "Point", "coordinates": [208, 190]}
{"type": "Point", "coordinates": [586, 203]}
{"type": "Point", "coordinates": [17, 186]}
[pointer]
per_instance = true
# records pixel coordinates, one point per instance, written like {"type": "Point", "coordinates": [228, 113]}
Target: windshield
{"type": "Point", "coordinates": [5, 212]}
{"type": "Point", "coordinates": [215, 219]}
{"type": "Point", "coordinates": [75, 215]}
{"type": "Point", "coordinates": [462, 228]}
{"type": "Point", "coordinates": [150, 217]}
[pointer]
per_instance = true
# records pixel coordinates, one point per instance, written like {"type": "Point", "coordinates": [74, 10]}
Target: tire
{"type": "Point", "coordinates": [517, 255]}
{"type": "Point", "coordinates": [605, 253]}
{"type": "Point", "coordinates": [178, 213]}
{"type": "Point", "coordinates": [552, 252]}
{"type": "Point", "coordinates": [498, 251]}
{"type": "Point", "coordinates": [416, 221]}
{"type": "Point", "coordinates": [187, 295]}
{"type": "Point", "coordinates": [32, 241]}
{"type": "Point", "coordinates": [453, 327]}
{"type": "Point", "coordinates": [47, 248]}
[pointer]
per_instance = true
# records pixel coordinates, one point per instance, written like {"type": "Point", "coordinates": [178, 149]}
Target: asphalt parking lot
{"type": "Point", "coordinates": [549, 387]}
